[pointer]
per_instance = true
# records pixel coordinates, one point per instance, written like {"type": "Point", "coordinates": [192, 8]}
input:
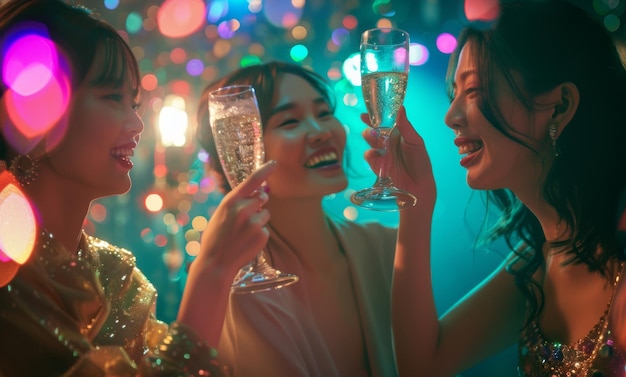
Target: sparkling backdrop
{"type": "Point", "coordinates": [183, 44]}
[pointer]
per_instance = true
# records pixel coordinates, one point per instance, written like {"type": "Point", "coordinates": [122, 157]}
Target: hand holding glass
{"type": "Point", "coordinates": [384, 74]}
{"type": "Point", "coordinates": [236, 126]}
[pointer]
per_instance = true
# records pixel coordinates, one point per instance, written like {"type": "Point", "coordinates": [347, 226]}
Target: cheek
{"type": "Point", "coordinates": [282, 148]}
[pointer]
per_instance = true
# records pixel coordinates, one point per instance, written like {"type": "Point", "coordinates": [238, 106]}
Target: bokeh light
{"type": "Point", "coordinates": [482, 10]}
{"type": "Point", "coordinates": [17, 237]}
{"type": "Point", "coordinates": [283, 14]}
{"type": "Point", "coordinates": [299, 53]}
{"type": "Point", "coordinates": [98, 212]}
{"type": "Point", "coordinates": [154, 202]}
{"type": "Point", "coordinates": [195, 67]}
{"type": "Point", "coordinates": [446, 43]}
{"type": "Point", "coordinates": [418, 54]}
{"type": "Point", "coordinates": [180, 18]}
{"type": "Point", "coordinates": [134, 23]}
{"type": "Point", "coordinates": [36, 75]}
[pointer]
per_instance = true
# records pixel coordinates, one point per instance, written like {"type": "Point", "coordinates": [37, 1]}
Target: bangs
{"type": "Point", "coordinates": [117, 66]}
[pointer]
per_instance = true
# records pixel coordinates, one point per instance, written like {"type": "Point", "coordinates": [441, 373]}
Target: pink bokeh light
{"type": "Point", "coordinates": [38, 92]}
{"type": "Point", "coordinates": [181, 18]}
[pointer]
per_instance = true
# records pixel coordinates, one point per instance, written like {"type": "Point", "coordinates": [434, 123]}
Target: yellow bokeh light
{"type": "Point", "coordinates": [199, 223]}
{"type": "Point", "coordinates": [299, 32]}
{"type": "Point", "coordinates": [383, 23]}
{"type": "Point", "coordinates": [154, 202]}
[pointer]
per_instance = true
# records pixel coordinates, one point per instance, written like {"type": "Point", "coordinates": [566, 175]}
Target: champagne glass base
{"type": "Point", "coordinates": [262, 279]}
{"type": "Point", "coordinates": [383, 199]}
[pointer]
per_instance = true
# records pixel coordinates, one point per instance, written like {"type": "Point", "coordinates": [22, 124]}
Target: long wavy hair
{"type": "Point", "coordinates": [547, 43]}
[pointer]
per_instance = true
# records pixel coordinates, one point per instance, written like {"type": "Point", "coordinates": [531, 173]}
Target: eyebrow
{"type": "Point", "coordinates": [291, 105]}
{"type": "Point", "coordinates": [464, 76]}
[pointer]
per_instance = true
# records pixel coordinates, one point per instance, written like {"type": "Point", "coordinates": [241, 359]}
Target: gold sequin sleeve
{"type": "Point", "coordinates": [91, 314]}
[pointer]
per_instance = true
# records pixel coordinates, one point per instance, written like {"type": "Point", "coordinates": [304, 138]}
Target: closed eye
{"type": "Point", "coordinates": [117, 97]}
{"type": "Point", "coordinates": [324, 114]}
{"type": "Point", "coordinates": [289, 123]}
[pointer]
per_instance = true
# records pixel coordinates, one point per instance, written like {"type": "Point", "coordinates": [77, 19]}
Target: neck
{"type": "Point", "coordinates": [302, 224]}
{"type": "Point", "coordinates": [59, 211]}
{"type": "Point", "coordinates": [553, 228]}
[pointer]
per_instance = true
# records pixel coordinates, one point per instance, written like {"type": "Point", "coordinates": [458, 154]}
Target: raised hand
{"type": "Point", "coordinates": [409, 165]}
{"type": "Point", "coordinates": [236, 231]}
{"type": "Point", "coordinates": [234, 235]}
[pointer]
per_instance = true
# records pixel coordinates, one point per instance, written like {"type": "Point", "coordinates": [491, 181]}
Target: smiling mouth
{"type": "Point", "coordinates": [470, 147]}
{"type": "Point", "coordinates": [319, 161]}
{"type": "Point", "coordinates": [122, 153]}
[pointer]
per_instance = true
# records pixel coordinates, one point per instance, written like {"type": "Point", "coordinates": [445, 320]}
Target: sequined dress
{"type": "Point", "coordinates": [592, 356]}
{"type": "Point", "coordinates": [91, 314]}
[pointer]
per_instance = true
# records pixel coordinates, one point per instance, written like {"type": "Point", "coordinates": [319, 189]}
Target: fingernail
{"type": "Point", "coordinates": [266, 188]}
{"type": "Point", "coordinates": [374, 132]}
{"type": "Point", "coordinates": [264, 197]}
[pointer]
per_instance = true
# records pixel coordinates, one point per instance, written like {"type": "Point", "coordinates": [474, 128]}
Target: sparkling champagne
{"type": "Point", "coordinates": [239, 142]}
{"type": "Point", "coordinates": [383, 93]}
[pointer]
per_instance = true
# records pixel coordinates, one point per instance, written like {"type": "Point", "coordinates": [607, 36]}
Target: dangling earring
{"type": "Point", "coordinates": [552, 130]}
{"type": "Point", "coordinates": [24, 168]}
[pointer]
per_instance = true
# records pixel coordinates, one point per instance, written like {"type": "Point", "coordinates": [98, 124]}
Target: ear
{"type": "Point", "coordinates": [567, 99]}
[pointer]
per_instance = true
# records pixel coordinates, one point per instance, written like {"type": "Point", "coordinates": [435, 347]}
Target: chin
{"type": "Point", "coordinates": [121, 188]}
{"type": "Point", "coordinates": [478, 184]}
{"type": "Point", "coordinates": [341, 185]}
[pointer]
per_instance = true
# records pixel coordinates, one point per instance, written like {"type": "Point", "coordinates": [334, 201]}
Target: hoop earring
{"type": "Point", "coordinates": [25, 169]}
{"type": "Point", "coordinates": [552, 130]}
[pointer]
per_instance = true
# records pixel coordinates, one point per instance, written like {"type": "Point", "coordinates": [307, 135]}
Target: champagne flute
{"type": "Point", "coordinates": [384, 74]}
{"type": "Point", "coordinates": [236, 126]}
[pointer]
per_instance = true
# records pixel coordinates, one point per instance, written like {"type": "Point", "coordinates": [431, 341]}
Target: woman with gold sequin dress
{"type": "Point", "coordinates": [79, 306]}
{"type": "Point", "coordinates": [538, 112]}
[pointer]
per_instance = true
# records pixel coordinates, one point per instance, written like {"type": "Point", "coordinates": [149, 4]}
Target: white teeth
{"type": "Point", "coordinates": [122, 152]}
{"type": "Point", "coordinates": [330, 156]}
{"type": "Point", "coordinates": [470, 147]}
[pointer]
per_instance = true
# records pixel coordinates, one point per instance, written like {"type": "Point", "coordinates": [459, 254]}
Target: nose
{"type": "Point", "coordinates": [134, 124]}
{"type": "Point", "coordinates": [455, 116]}
{"type": "Point", "coordinates": [317, 133]}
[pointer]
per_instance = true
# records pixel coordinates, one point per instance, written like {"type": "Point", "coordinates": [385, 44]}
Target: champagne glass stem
{"type": "Point", "coordinates": [382, 142]}
{"type": "Point", "coordinates": [259, 276]}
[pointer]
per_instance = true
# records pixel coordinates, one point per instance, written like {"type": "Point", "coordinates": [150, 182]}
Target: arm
{"type": "Point", "coordinates": [485, 321]}
{"type": "Point", "coordinates": [234, 235]}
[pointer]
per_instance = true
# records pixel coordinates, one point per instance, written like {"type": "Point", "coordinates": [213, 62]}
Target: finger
{"type": "Point", "coordinates": [374, 158]}
{"type": "Point", "coordinates": [408, 133]}
{"type": "Point", "coordinates": [370, 135]}
{"type": "Point", "coordinates": [255, 180]}
{"type": "Point", "coordinates": [261, 198]}
{"type": "Point", "coordinates": [246, 208]}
